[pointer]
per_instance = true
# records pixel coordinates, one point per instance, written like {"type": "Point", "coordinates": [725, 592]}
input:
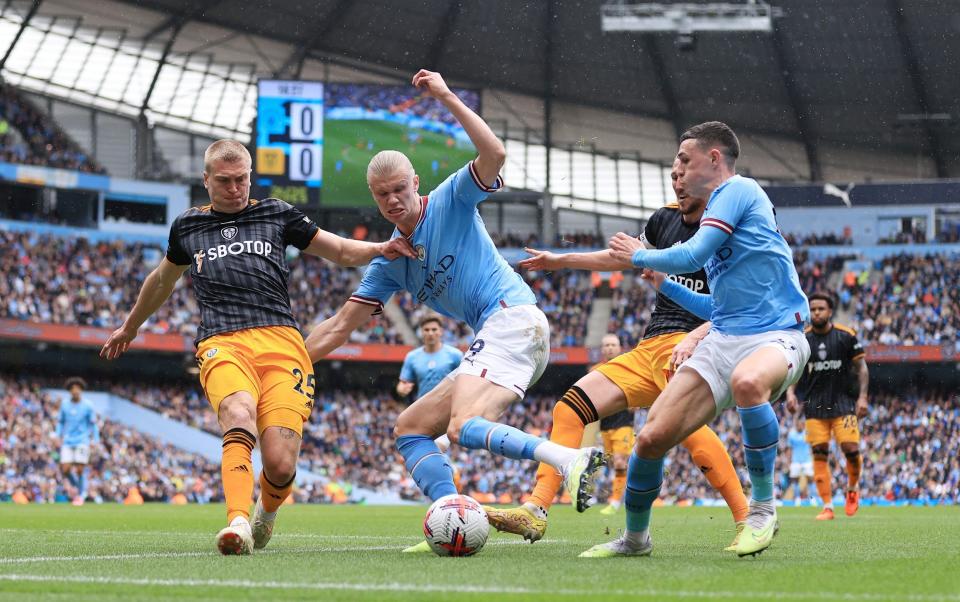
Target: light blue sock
{"type": "Point", "coordinates": [644, 478]}
{"type": "Point", "coordinates": [429, 468]}
{"type": "Point", "coordinates": [83, 483]}
{"type": "Point", "coordinates": [761, 431]}
{"type": "Point", "coordinates": [503, 440]}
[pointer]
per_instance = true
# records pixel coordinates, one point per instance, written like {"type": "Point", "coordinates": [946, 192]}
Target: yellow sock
{"type": "Point", "coordinates": [619, 485]}
{"type": "Point", "coordinates": [821, 476]}
{"type": "Point", "coordinates": [237, 472]}
{"type": "Point", "coordinates": [272, 495]}
{"type": "Point", "coordinates": [711, 456]}
{"type": "Point", "coordinates": [570, 415]}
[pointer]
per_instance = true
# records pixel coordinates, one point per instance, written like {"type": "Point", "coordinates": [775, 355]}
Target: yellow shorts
{"type": "Point", "coordinates": [618, 440]}
{"type": "Point", "coordinates": [642, 373]}
{"type": "Point", "coordinates": [845, 429]}
{"type": "Point", "coordinates": [270, 363]}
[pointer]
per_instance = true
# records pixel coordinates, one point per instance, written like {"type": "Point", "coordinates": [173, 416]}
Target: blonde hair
{"type": "Point", "coordinates": [226, 150]}
{"type": "Point", "coordinates": [387, 163]}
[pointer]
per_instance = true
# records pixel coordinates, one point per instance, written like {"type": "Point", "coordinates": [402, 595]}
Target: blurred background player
{"type": "Point", "coordinates": [459, 273]}
{"type": "Point", "coordinates": [426, 366]}
{"type": "Point", "coordinates": [801, 461]}
{"type": "Point", "coordinates": [616, 431]}
{"type": "Point", "coordinates": [833, 391]}
{"type": "Point", "coordinates": [633, 379]}
{"type": "Point", "coordinates": [254, 367]}
{"type": "Point", "coordinates": [78, 432]}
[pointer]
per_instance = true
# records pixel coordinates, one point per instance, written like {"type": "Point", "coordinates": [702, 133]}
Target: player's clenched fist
{"type": "Point", "coordinates": [430, 83]}
{"type": "Point", "coordinates": [397, 247]}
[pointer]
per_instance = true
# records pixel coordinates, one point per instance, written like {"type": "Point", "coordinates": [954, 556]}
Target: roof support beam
{"type": "Point", "coordinates": [299, 55]}
{"type": "Point", "coordinates": [919, 86]}
{"type": "Point", "coordinates": [178, 22]}
{"type": "Point", "coordinates": [23, 27]}
{"type": "Point", "coordinates": [666, 86]}
{"type": "Point", "coordinates": [548, 215]}
{"type": "Point", "coordinates": [446, 26]}
{"type": "Point", "coordinates": [799, 110]}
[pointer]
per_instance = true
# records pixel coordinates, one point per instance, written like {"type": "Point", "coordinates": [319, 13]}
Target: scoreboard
{"type": "Point", "coordinates": [289, 135]}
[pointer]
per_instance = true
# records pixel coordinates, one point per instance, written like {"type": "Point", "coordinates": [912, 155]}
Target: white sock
{"type": "Point", "coordinates": [535, 510]}
{"type": "Point", "coordinates": [615, 503]}
{"type": "Point", "coordinates": [443, 442]}
{"type": "Point", "coordinates": [636, 538]}
{"type": "Point", "coordinates": [554, 455]}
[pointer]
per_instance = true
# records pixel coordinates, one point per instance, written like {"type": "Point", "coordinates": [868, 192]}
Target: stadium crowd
{"type": "Point", "coordinates": [907, 300]}
{"type": "Point", "coordinates": [824, 238]}
{"type": "Point", "coordinates": [124, 458]}
{"type": "Point", "coordinates": [29, 136]}
{"type": "Point", "coordinates": [47, 278]}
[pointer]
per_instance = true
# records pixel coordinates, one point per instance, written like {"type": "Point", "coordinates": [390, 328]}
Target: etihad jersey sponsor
{"type": "Point", "coordinates": [829, 386]}
{"type": "Point", "coordinates": [238, 263]}
{"type": "Point", "coordinates": [666, 229]}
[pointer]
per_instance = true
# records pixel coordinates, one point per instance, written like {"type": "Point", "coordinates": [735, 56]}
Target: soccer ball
{"type": "Point", "coordinates": [456, 525]}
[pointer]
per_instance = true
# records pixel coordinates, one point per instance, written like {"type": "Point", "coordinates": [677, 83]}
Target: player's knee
{"type": "Point", "coordinates": [650, 444]}
{"type": "Point", "coordinates": [850, 449]}
{"type": "Point", "coordinates": [237, 412]}
{"type": "Point", "coordinates": [453, 428]}
{"type": "Point", "coordinates": [406, 425]}
{"type": "Point", "coordinates": [820, 452]}
{"type": "Point", "coordinates": [749, 389]}
{"type": "Point", "coordinates": [280, 469]}
{"type": "Point", "coordinates": [620, 462]}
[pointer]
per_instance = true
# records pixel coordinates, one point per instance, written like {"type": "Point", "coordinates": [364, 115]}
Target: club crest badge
{"type": "Point", "coordinates": [822, 351]}
{"type": "Point", "coordinates": [211, 353]}
{"type": "Point", "coordinates": [229, 232]}
{"type": "Point", "coordinates": [421, 252]}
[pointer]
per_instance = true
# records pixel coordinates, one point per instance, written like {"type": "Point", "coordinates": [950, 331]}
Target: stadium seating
{"type": "Point", "coordinates": [45, 278]}
{"type": "Point", "coordinates": [126, 459]}
{"type": "Point", "coordinates": [37, 139]}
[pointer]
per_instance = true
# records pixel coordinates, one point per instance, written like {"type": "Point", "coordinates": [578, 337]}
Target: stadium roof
{"type": "Point", "coordinates": [859, 73]}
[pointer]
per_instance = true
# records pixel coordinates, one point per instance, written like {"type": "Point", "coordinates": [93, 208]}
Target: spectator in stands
{"type": "Point", "coordinates": [43, 141]}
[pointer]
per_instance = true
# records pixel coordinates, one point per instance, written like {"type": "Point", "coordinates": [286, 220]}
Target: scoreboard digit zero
{"type": "Point", "coordinates": [290, 140]}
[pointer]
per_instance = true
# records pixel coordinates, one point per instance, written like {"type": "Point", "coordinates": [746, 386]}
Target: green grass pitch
{"type": "Point", "coordinates": [158, 552]}
{"type": "Point", "coordinates": [346, 141]}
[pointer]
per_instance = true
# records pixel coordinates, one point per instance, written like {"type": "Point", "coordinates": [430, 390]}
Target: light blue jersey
{"type": "Point", "coordinates": [753, 282]}
{"type": "Point", "coordinates": [427, 369]}
{"type": "Point", "coordinates": [77, 423]}
{"type": "Point", "coordinates": [799, 446]}
{"type": "Point", "coordinates": [458, 272]}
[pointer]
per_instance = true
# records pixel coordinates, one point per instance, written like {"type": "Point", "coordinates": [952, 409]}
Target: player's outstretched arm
{"type": "Point", "coordinates": [681, 259]}
{"type": "Point", "coordinates": [491, 153]}
{"type": "Point", "coordinates": [156, 288]}
{"type": "Point", "coordinates": [348, 252]}
{"type": "Point", "coordinates": [335, 330]}
{"type": "Point", "coordinates": [601, 261]}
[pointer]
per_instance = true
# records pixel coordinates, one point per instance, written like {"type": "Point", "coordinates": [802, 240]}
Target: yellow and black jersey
{"type": "Point", "coordinates": [238, 263]}
{"type": "Point", "coordinates": [666, 229]}
{"type": "Point", "coordinates": [829, 385]}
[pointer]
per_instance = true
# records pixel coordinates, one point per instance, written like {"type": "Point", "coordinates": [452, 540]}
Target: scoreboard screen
{"type": "Point", "coordinates": [289, 135]}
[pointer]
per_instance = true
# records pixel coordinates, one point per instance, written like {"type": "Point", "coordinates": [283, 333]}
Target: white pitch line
{"type": "Point", "coordinates": [144, 555]}
{"type": "Point", "coordinates": [467, 589]}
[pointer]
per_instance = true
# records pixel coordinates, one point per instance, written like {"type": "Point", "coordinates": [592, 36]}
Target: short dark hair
{"type": "Point", "coordinates": [431, 318]}
{"type": "Point", "coordinates": [75, 380]}
{"type": "Point", "coordinates": [716, 133]}
{"type": "Point", "coordinates": [823, 296]}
